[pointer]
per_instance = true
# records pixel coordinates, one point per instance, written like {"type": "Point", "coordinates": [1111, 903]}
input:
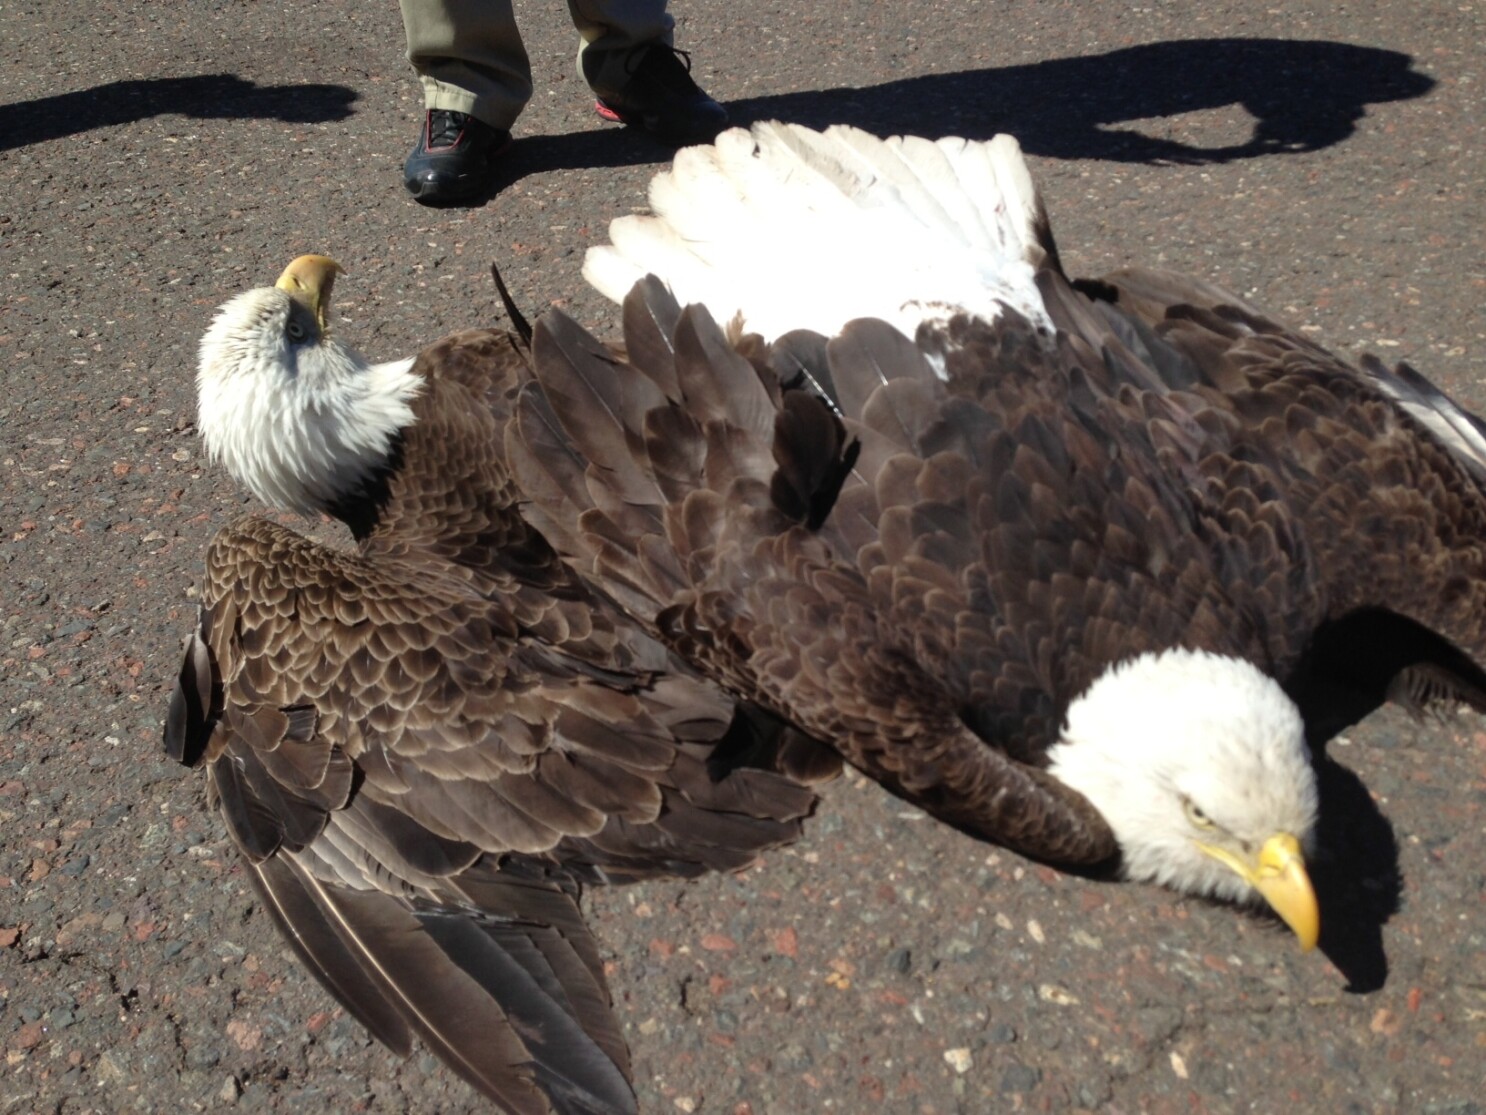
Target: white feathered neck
{"type": "Point", "coordinates": [297, 417]}
{"type": "Point", "coordinates": [797, 229]}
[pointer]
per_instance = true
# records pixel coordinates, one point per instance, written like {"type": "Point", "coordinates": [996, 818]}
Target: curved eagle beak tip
{"type": "Point", "coordinates": [310, 279]}
{"type": "Point", "coordinates": [1279, 875]}
{"type": "Point", "coordinates": [1282, 880]}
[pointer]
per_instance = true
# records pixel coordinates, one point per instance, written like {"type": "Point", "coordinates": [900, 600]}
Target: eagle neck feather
{"type": "Point", "coordinates": [305, 428]}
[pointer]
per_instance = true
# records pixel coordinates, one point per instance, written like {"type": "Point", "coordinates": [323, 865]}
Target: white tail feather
{"type": "Point", "coordinates": [800, 229]}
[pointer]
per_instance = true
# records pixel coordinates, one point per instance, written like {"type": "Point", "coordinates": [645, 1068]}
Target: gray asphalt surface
{"type": "Point", "coordinates": [1326, 161]}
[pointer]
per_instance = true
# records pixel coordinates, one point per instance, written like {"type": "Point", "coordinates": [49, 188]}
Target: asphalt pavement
{"type": "Point", "coordinates": [1328, 162]}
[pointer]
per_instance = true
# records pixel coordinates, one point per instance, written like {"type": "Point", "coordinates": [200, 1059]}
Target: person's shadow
{"type": "Point", "coordinates": [221, 96]}
{"type": "Point", "coordinates": [1303, 96]}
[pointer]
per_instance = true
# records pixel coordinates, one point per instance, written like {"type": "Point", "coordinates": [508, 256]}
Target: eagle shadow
{"type": "Point", "coordinates": [204, 96]}
{"type": "Point", "coordinates": [1353, 666]}
{"type": "Point", "coordinates": [1303, 95]}
{"type": "Point", "coordinates": [1356, 875]}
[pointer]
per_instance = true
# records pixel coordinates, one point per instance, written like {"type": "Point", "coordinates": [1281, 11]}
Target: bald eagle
{"type": "Point", "coordinates": [1082, 567]}
{"type": "Point", "coordinates": [424, 746]}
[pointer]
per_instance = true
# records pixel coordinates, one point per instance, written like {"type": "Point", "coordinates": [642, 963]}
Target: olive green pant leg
{"type": "Point", "coordinates": [610, 29]}
{"type": "Point", "coordinates": [469, 57]}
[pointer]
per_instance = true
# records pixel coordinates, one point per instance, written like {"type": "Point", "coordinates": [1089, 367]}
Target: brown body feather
{"type": "Point", "coordinates": [424, 747]}
{"type": "Point", "coordinates": [928, 565]}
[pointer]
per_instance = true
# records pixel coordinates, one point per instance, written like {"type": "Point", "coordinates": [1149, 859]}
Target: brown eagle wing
{"type": "Point", "coordinates": [1360, 490]}
{"type": "Point", "coordinates": [420, 791]}
{"type": "Point", "coordinates": [776, 544]}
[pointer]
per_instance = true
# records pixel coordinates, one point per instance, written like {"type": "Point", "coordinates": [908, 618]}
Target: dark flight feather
{"type": "Point", "coordinates": [336, 965]}
{"type": "Point", "coordinates": [513, 311]}
{"type": "Point", "coordinates": [650, 318]}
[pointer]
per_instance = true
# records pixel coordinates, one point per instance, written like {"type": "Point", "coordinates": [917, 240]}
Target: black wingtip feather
{"type": "Point", "coordinates": [312, 936]}
{"type": "Point", "coordinates": [551, 1001]}
{"type": "Point", "coordinates": [518, 319]}
{"type": "Point", "coordinates": [194, 703]}
{"type": "Point", "coordinates": [479, 990]}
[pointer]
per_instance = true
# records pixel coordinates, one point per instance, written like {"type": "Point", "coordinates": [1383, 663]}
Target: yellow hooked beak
{"type": "Point", "coordinates": [309, 280]}
{"type": "Point", "coordinates": [1278, 874]}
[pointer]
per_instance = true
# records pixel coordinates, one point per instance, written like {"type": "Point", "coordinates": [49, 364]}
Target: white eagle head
{"type": "Point", "coordinates": [1199, 764]}
{"type": "Point", "coordinates": [296, 416]}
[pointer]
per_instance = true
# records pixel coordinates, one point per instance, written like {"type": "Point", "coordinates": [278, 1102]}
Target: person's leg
{"type": "Point", "coordinates": [469, 57]}
{"type": "Point", "coordinates": [476, 79]}
{"type": "Point", "coordinates": [627, 59]}
{"type": "Point", "coordinates": [610, 30]}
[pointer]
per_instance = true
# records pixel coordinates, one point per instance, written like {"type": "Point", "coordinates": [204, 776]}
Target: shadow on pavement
{"type": "Point", "coordinates": [1356, 875]}
{"type": "Point", "coordinates": [205, 96]}
{"type": "Point", "coordinates": [1303, 96]}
